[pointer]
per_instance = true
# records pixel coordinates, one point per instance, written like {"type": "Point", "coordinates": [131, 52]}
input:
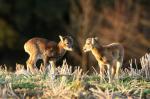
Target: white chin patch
{"type": "Point", "coordinates": [85, 50]}
{"type": "Point", "coordinates": [69, 49]}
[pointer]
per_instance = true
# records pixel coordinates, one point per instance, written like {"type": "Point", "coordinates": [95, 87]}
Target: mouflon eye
{"type": "Point", "coordinates": [101, 58]}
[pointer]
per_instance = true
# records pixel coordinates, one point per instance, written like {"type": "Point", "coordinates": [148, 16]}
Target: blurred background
{"type": "Point", "coordinates": [124, 21]}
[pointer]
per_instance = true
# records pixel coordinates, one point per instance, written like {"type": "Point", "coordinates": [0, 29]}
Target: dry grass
{"type": "Point", "coordinates": [132, 84]}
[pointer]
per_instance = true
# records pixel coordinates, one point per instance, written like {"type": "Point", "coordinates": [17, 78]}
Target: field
{"type": "Point", "coordinates": [132, 84]}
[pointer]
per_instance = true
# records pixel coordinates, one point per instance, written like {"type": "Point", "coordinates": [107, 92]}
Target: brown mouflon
{"type": "Point", "coordinates": [109, 57]}
{"type": "Point", "coordinates": [40, 48]}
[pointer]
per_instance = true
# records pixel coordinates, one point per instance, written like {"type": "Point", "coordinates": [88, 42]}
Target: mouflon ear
{"type": "Point", "coordinates": [96, 38]}
{"type": "Point", "coordinates": [93, 40]}
{"type": "Point", "coordinates": [61, 38]}
{"type": "Point", "coordinates": [70, 38]}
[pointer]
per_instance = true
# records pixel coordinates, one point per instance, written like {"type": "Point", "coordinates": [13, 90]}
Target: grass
{"type": "Point", "coordinates": [133, 84]}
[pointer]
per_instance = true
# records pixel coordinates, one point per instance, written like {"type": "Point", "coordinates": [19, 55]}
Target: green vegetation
{"type": "Point", "coordinates": [66, 84]}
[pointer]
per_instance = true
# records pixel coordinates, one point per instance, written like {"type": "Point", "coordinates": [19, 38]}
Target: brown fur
{"type": "Point", "coordinates": [40, 48]}
{"type": "Point", "coordinates": [108, 56]}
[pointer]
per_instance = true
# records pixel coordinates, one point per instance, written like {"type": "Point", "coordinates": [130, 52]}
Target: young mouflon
{"type": "Point", "coordinates": [41, 48]}
{"type": "Point", "coordinates": [109, 57]}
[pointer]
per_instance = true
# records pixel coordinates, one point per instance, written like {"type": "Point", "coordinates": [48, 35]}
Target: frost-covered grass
{"type": "Point", "coordinates": [75, 85]}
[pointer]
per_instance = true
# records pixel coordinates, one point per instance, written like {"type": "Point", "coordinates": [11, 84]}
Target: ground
{"type": "Point", "coordinates": [132, 84]}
